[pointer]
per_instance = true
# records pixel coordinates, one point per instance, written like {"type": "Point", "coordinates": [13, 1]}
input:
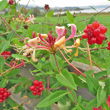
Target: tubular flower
{"type": "Point", "coordinates": [108, 102]}
{"type": "Point", "coordinates": [77, 44]}
{"type": "Point", "coordinates": [29, 19]}
{"type": "Point", "coordinates": [99, 108]}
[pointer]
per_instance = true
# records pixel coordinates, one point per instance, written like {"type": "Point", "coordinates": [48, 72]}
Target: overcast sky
{"type": "Point", "coordinates": [62, 3]}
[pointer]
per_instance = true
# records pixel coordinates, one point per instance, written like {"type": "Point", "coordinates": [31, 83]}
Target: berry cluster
{"type": "Point", "coordinates": [11, 2]}
{"type": "Point", "coordinates": [37, 87]}
{"type": "Point", "coordinates": [108, 48]}
{"type": "Point", "coordinates": [4, 94]}
{"type": "Point", "coordinates": [95, 33]}
{"type": "Point", "coordinates": [5, 53]}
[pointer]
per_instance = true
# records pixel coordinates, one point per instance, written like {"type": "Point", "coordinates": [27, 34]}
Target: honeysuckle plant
{"type": "Point", "coordinates": [50, 53]}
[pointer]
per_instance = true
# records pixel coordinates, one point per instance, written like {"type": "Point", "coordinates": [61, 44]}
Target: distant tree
{"type": "Point", "coordinates": [36, 11]}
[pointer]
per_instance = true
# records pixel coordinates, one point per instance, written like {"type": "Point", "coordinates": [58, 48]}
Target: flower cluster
{"type": "Point", "coordinates": [108, 48]}
{"type": "Point", "coordinates": [46, 7]}
{"type": "Point", "coordinates": [5, 54]}
{"type": "Point", "coordinates": [95, 33]}
{"type": "Point", "coordinates": [4, 94]}
{"type": "Point", "coordinates": [37, 87]}
{"type": "Point", "coordinates": [50, 43]}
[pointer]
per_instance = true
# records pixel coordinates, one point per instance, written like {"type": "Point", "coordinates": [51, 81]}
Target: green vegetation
{"type": "Point", "coordinates": [103, 18]}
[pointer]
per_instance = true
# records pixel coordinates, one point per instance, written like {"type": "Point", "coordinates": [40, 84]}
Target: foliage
{"type": "Point", "coordinates": [23, 43]}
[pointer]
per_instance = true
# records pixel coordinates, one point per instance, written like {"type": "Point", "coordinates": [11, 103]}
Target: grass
{"type": "Point", "coordinates": [103, 18]}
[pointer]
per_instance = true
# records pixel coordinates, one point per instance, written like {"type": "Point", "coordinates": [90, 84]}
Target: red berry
{"type": "Point", "coordinates": [89, 26]}
{"type": "Point", "coordinates": [39, 93]}
{"type": "Point", "coordinates": [101, 36]}
{"type": "Point", "coordinates": [108, 48]}
{"type": "Point", "coordinates": [8, 53]}
{"type": "Point", "coordinates": [95, 24]}
{"type": "Point", "coordinates": [1, 89]}
{"type": "Point", "coordinates": [86, 30]}
{"type": "Point", "coordinates": [1, 100]}
{"type": "Point", "coordinates": [99, 41]}
{"type": "Point", "coordinates": [41, 82]}
{"type": "Point", "coordinates": [85, 36]}
{"type": "Point", "coordinates": [96, 32]}
{"type": "Point", "coordinates": [1, 96]}
{"type": "Point", "coordinates": [109, 43]}
{"type": "Point", "coordinates": [41, 88]}
{"type": "Point", "coordinates": [103, 29]}
{"type": "Point", "coordinates": [2, 92]}
{"type": "Point", "coordinates": [5, 94]}
{"type": "Point", "coordinates": [9, 93]}
{"type": "Point", "coordinates": [32, 88]}
{"type": "Point", "coordinates": [36, 82]}
{"type": "Point", "coordinates": [35, 92]}
{"type": "Point", "coordinates": [4, 98]}
{"type": "Point", "coordinates": [5, 89]}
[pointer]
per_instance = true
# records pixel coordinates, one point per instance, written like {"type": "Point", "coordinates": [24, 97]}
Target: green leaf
{"type": "Point", "coordinates": [4, 45]}
{"type": "Point", "coordinates": [100, 74]}
{"type": "Point", "coordinates": [108, 70]}
{"type": "Point", "coordinates": [79, 82]}
{"type": "Point", "coordinates": [19, 57]}
{"type": "Point", "coordinates": [18, 89]}
{"type": "Point", "coordinates": [107, 86]}
{"type": "Point", "coordinates": [70, 17]}
{"type": "Point", "coordinates": [70, 95]}
{"type": "Point", "coordinates": [2, 62]}
{"type": "Point", "coordinates": [11, 102]}
{"type": "Point", "coordinates": [10, 35]}
{"type": "Point", "coordinates": [3, 83]}
{"type": "Point", "coordinates": [52, 61]}
{"type": "Point", "coordinates": [92, 19]}
{"type": "Point", "coordinates": [91, 104]}
{"type": "Point", "coordinates": [15, 80]}
{"type": "Point", "coordinates": [50, 14]}
{"type": "Point", "coordinates": [92, 84]}
{"type": "Point", "coordinates": [80, 107]}
{"type": "Point", "coordinates": [89, 72]}
{"type": "Point", "coordinates": [66, 79]}
{"type": "Point", "coordinates": [52, 98]}
{"type": "Point", "coordinates": [93, 8]}
{"type": "Point", "coordinates": [12, 73]}
{"type": "Point", "coordinates": [3, 3]}
{"type": "Point", "coordinates": [101, 96]}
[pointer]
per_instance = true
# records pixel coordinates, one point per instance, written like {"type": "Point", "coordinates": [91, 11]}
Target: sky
{"type": "Point", "coordinates": [63, 3]}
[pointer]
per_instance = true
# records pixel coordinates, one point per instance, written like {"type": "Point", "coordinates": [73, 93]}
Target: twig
{"type": "Point", "coordinates": [10, 27]}
{"type": "Point", "coordinates": [94, 63]}
{"type": "Point", "coordinates": [90, 57]}
{"type": "Point", "coordinates": [73, 96]}
{"type": "Point", "coordinates": [91, 50]}
{"type": "Point", "coordinates": [71, 64]}
{"type": "Point", "coordinates": [95, 14]}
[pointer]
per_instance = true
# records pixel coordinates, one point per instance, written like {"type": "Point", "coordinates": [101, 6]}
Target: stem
{"type": "Point", "coordinates": [7, 64]}
{"type": "Point", "coordinates": [59, 72]}
{"type": "Point", "coordinates": [91, 50]}
{"type": "Point", "coordinates": [44, 22]}
{"type": "Point", "coordinates": [90, 57]}
{"type": "Point", "coordinates": [95, 14]}
{"type": "Point", "coordinates": [56, 63]}
{"type": "Point", "coordinates": [10, 27]}
{"type": "Point", "coordinates": [73, 96]}
{"type": "Point", "coordinates": [48, 83]}
{"type": "Point", "coordinates": [71, 64]}
{"type": "Point", "coordinates": [94, 63]}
